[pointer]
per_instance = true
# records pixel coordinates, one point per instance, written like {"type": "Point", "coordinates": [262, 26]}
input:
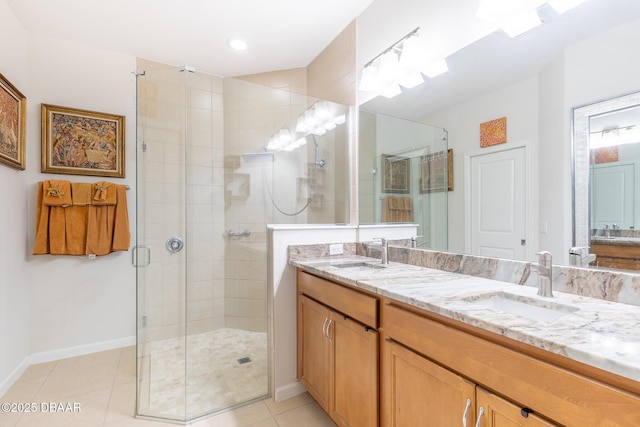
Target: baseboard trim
{"type": "Point", "coordinates": [64, 353]}
{"type": "Point", "coordinates": [80, 350]}
{"type": "Point", "coordinates": [288, 391]}
{"type": "Point", "coordinates": [6, 384]}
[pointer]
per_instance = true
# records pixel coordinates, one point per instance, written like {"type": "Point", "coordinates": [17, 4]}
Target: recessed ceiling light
{"type": "Point", "coordinates": [237, 44]}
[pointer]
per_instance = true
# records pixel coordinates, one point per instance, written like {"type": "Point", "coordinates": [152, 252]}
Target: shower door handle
{"type": "Point", "coordinates": [134, 256]}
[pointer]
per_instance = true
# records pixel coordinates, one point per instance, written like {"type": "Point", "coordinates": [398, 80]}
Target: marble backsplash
{"type": "Point", "coordinates": [595, 283]}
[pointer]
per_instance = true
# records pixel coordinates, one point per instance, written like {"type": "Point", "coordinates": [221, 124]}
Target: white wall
{"type": "Point", "coordinates": [14, 292]}
{"type": "Point", "coordinates": [519, 103]}
{"type": "Point", "coordinates": [54, 306]}
{"type": "Point", "coordinates": [75, 301]}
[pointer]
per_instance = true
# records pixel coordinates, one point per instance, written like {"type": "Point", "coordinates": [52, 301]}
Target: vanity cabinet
{"type": "Point", "coordinates": [523, 380]}
{"type": "Point", "coordinates": [494, 411]}
{"type": "Point", "coordinates": [623, 257]}
{"type": "Point", "coordinates": [418, 392]}
{"type": "Point", "coordinates": [338, 351]}
{"type": "Point", "coordinates": [426, 369]}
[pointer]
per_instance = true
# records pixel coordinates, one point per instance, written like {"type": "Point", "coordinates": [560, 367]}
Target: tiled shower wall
{"type": "Point", "coordinates": [223, 118]}
{"type": "Point", "coordinates": [255, 107]}
{"type": "Point", "coordinates": [180, 193]}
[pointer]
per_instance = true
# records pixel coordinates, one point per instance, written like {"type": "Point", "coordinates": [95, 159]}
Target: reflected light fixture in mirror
{"type": "Point", "coordinates": [318, 119]}
{"type": "Point", "coordinates": [516, 17]}
{"type": "Point", "coordinates": [402, 64]}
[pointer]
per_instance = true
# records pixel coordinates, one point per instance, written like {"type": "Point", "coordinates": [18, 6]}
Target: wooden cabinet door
{"type": "Point", "coordinates": [418, 392]}
{"type": "Point", "coordinates": [355, 372]}
{"type": "Point", "coordinates": [314, 350]}
{"type": "Point", "coordinates": [497, 412]}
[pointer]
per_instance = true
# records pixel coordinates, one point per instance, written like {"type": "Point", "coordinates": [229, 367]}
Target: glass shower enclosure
{"type": "Point", "coordinates": [213, 169]}
{"type": "Point", "coordinates": [405, 174]}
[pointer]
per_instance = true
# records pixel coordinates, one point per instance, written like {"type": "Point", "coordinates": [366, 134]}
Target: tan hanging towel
{"type": "Point", "coordinates": [397, 209]}
{"type": "Point", "coordinates": [108, 225]}
{"type": "Point", "coordinates": [81, 193]}
{"type": "Point", "coordinates": [56, 192]}
{"type": "Point", "coordinates": [104, 193]}
{"type": "Point", "coordinates": [84, 227]}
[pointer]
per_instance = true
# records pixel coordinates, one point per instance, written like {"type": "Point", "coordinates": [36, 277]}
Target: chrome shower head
{"type": "Point", "coordinates": [261, 157]}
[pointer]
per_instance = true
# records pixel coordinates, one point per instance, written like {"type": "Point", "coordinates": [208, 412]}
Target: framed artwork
{"type": "Point", "coordinates": [436, 172]}
{"type": "Point", "coordinates": [13, 125]}
{"type": "Point", "coordinates": [81, 142]}
{"type": "Point", "coordinates": [396, 174]}
{"type": "Point", "coordinates": [493, 132]}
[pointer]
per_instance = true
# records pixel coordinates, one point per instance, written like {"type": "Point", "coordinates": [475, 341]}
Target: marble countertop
{"type": "Point", "coordinates": [619, 241]}
{"type": "Point", "coordinates": [596, 332]}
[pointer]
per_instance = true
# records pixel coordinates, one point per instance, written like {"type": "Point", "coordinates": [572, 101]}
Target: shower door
{"type": "Point", "coordinates": [194, 356]}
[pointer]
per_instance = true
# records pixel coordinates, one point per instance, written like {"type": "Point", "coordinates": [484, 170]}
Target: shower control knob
{"type": "Point", "coordinates": [174, 244]}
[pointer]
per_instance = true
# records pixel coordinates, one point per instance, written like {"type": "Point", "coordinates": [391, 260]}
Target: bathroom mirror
{"type": "Point", "coordinates": [606, 147]}
{"type": "Point", "coordinates": [404, 176]}
{"type": "Point", "coordinates": [535, 81]}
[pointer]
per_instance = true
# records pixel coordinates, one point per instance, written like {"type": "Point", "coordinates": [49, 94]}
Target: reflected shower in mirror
{"type": "Point", "coordinates": [404, 176]}
{"type": "Point", "coordinates": [606, 181]}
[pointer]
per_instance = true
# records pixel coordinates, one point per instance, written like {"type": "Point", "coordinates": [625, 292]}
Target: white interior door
{"type": "Point", "coordinates": [613, 195]}
{"type": "Point", "coordinates": [497, 204]}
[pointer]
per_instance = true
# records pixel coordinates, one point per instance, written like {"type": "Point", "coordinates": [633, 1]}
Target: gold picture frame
{"type": "Point", "coordinates": [13, 125]}
{"type": "Point", "coordinates": [433, 172]}
{"type": "Point", "coordinates": [82, 142]}
{"type": "Point", "coordinates": [396, 174]}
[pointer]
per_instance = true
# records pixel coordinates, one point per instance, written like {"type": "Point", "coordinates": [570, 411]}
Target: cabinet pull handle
{"type": "Point", "coordinates": [324, 328]}
{"type": "Point", "coordinates": [480, 413]}
{"type": "Point", "coordinates": [329, 329]}
{"type": "Point", "coordinates": [464, 415]}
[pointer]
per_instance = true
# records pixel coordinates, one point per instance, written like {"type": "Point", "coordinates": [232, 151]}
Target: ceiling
{"type": "Point", "coordinates": [495, 61]}
{"type": "Point", "coordinates": [281, 34]}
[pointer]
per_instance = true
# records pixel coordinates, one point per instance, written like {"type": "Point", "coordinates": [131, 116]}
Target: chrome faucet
{"type": "Point", "coordinates": [578, 257]}
{"type": "Point", "coordinates": [545, 274]}
{"type": "Point", "coordinates": [385, 249]}
{"type": "Point", "coordinates": [414, 242]}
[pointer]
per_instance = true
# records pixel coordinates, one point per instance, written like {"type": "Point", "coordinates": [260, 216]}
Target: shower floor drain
{"type": "Point", "coordinates": [244, 360]}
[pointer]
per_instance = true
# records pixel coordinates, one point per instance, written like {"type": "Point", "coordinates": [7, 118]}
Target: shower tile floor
{"type": "Point", "coordinates": [104, 385]}
{"type": "Point", "coordinates": [223, 368]}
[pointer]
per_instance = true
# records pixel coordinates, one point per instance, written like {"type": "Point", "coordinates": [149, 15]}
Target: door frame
{"type": "Point", "coordinates": [531, 197]}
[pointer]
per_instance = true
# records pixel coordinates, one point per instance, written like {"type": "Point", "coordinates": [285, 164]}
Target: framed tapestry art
{"type": "Point", "coordinates": [81, 142]}
{"type": "Point", "coordinates": [436, 172]}
{"type": "Point", "coordinates": [13, 125]}
{"type": "Point", "coordinates": [396, 174]}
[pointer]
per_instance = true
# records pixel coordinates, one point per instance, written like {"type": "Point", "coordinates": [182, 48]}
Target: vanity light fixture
{"type": "Point", "coordinates": [614, 135]}
{"type": "Point", "coordinates": [318, 119]}
{"type": "Point", "coordinates": [516, 17]}
{"type": "Point", "coordinates": [561, 6]}
{"type": "Point", "coordinates": [522, 23]}
{"type": "Point", "coordinates": [402, 64]}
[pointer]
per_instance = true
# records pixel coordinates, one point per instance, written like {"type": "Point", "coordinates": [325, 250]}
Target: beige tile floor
{"type": "Point", "coordinates": [103, 384]}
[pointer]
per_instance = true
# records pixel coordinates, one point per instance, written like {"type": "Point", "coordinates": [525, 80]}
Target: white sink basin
{"type": "Point", "coordinates": [540, 309]}
{"type": "Point", "coordinates": [359, 265]}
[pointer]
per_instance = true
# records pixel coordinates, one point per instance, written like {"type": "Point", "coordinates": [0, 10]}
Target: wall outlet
{"type": "Point", "coordinates": [336, 249]}
{"type": "Point", "coordinates": [544, 227]}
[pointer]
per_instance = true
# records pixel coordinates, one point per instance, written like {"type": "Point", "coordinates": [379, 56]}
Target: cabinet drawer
{"type": "Point", "coordinates": [557, 393]}
{"type": "Point", "coordinates": [358, 306]}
